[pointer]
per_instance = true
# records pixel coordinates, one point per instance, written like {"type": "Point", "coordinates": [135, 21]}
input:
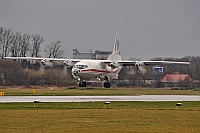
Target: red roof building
{"type": "Point", "coordinates": [177, 78]}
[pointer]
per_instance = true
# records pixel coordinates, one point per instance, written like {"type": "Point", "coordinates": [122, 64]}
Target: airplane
{"type": "Point", "coordinates": [86, 70]}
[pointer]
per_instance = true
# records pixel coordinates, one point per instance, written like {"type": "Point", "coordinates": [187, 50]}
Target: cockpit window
{"type": "Point", "coordinates": [80, 66]}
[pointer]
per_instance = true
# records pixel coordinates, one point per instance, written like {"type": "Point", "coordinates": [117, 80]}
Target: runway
{"type": "Point", "coordinates": [10, 99]}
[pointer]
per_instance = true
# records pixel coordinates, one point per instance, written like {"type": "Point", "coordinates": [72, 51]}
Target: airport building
{"type": "Point", "coordinates": [97, 55]}
{"type": "Point", "coordinates": [102, 55]}
{"type": "Point", "coordinates": [78, 55]}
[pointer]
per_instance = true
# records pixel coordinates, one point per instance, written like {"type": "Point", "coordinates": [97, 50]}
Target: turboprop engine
{"type": "Point", "coordinates": [47, 62]}
{"type": "Point", "coordinates": [68, 63]}
{"type": "Point", "coordinates": [140, 67]}
{"type": "Point", "coordinates": [114, 64]}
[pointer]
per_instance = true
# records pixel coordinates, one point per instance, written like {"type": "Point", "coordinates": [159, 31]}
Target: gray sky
{"type": "Point", "coordinates": [148, 28]}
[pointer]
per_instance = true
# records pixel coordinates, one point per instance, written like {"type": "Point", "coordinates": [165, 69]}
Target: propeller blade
{"type": "Point", "coordinates": [142, 69]}
{"type": "Point", "coordinates": [65, 70]}
{"type": "Point", "coordinates": [41, 68]}
{"type": "Point", "coordinates": [49, 64]}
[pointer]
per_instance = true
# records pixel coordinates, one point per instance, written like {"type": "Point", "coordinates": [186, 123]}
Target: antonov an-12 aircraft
{"type": "Point", "coordinates": [84, 70]}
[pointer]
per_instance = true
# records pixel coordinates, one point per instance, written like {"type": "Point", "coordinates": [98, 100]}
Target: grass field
{"type": "Point", "coordinates": [139, 117]}
{"type": "Point", "coordinates": [54, 91]}
{"type": "Point", "coordinates": [95, 117]}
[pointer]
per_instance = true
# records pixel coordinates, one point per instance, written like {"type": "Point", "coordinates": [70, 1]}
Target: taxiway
{"type": "Point", "coordinates": [9, 99]}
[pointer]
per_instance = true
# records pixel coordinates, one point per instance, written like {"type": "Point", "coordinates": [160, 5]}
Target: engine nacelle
{"type": "Point", "coordinates": [46, 62]}
{"type": "Point", "coordinates": [68, 63]}
{"type": "Point", "coordinates": [114, 64]}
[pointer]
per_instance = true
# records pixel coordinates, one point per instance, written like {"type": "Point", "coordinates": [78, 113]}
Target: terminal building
{"type": "Point", "coordinates": [97, 55]}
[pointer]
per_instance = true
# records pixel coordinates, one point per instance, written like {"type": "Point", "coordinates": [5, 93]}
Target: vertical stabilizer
{"type": "Point", "coordinates": [116, 44]}
{"type": "Point", "coordinates": [115, 54]}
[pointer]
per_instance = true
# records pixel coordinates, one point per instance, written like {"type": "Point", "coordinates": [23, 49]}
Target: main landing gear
{"type": "Point", "coordinates": [82, 84]}
{"type": "Point", "coordinates": [106, 85]}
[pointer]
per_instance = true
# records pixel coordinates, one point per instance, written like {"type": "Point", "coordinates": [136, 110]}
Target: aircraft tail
{"type": "Point", "coordinates": [115, 55]}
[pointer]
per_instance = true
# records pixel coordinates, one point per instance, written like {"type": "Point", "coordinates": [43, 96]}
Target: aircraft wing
{"type": "Point", "coordinates": [164, 62]}
{"type": "Point", "coordinates": [46, 61]}
{"type": "Point", "coordinates": [132, 63]}
{"type": "Point", "coordinates": [121, 63]}
{"type": "Point", "coordinates": [34, 58]}
{"type": "Point", "coordinates": [128, 63]}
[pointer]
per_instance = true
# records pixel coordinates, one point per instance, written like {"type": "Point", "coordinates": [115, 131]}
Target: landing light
{"type": "Point", "coordinates": [98, 79]}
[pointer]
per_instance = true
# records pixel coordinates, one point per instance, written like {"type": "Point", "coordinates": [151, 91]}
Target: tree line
{"type": "Point", "coordinates": [12, 73]}
{"type": "Point", "coordinates": [18, 44]}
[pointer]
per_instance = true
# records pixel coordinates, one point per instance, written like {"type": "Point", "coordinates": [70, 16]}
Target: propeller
{"type": "Point", "coordinates": [102, 65]}
{"type": "Point", "coordinates": [45, 63]}
{"type": "Point", "coordinates": [67, 64]}
{"type": "Point", "coordinates": [33, 62]}
{"type": "Point", "coordinates": [142, 70]}
{"type": "Point", "coordinates": [65, 69]}
{"type": "Point", "coordinates": [114, 64]}
{"type": "Point", "coordinates": [140, 67]}
{"type": "Point", "coordinates": [41, 68]}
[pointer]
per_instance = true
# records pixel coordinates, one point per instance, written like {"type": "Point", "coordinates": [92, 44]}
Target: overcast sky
{"type": "Point", "coordinates": [148, 28]}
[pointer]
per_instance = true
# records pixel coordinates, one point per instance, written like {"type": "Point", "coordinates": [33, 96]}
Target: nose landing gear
{"type": "Point", "coordinates": [82, 84]}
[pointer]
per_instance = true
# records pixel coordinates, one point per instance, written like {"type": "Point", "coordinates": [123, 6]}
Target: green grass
{"type": "Point", "coordinates": [97, 105]}
{"type": "Point", "coordinates": [96, 117]}
{"type": "Point", "coordinates": [53, 91]}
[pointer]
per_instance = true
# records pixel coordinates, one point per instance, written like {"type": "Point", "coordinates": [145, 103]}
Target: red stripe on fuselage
{"type": "Point", "coordinates": [99, 70]}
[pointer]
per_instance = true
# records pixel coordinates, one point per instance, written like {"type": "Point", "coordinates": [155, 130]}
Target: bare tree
{"type": "Point", "coordinates": [37, 40]}
{"type": "Point", "coordinates": [25, 45]}
{"type": "Point", "coordinates": [15, 45]}
{"type": "Point", "coordinates": [195, 68]}
{"type": "Point", "coordinates": [6, 39]}
{"type": "Point", "coordinates": [1, 37]}
{"type": "Point", "coordinates": [53, 50]}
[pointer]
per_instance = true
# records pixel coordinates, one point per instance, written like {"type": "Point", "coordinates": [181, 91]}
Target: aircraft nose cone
{"type": "Point", "coordinates": [76, 72]}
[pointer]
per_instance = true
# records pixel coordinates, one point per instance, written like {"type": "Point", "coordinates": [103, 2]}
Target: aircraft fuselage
{"type": "Point", "coordinates": [93, 70]}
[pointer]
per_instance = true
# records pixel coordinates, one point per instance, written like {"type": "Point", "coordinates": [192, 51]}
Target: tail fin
{"type": "Point", "coordinates": [115, 55]}
{"type": "Point", "coordinates": [116, 44]}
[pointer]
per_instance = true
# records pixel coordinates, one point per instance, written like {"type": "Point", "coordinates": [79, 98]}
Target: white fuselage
{"type": "Point", "coordinates": [93, 70]}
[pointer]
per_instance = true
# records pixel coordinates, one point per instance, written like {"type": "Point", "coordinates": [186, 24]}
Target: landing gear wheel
{"type": "Point", "coordinates": [106, 85]}
{"type": "Point", "coordinates": [82, 84]}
